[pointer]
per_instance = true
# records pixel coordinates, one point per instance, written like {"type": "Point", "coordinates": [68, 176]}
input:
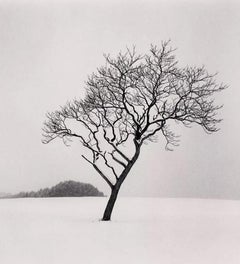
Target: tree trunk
{"type": "Point", "coordinates": [113, 197]}
{"type": "Point", "coordinates": [108, 211]}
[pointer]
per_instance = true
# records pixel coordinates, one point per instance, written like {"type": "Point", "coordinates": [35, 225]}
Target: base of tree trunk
{"type": "Point", "coordinates": [109, 208]}
{"type": "Point", "coordinates": [107, 219]}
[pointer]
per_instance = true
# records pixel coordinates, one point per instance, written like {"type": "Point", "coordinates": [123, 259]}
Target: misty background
{"type": "Point", "coordinates": [47, 50]}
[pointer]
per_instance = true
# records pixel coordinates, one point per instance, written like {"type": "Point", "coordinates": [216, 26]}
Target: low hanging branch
{"type": "Point", "coordinates": [130, 101]}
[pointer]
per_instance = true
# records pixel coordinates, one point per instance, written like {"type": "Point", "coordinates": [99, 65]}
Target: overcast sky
{"type": "Point", "coordinates": [47, 50]}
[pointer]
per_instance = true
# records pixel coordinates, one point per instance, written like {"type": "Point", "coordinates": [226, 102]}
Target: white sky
{"type": "Point", "coordinates": [47, 49]}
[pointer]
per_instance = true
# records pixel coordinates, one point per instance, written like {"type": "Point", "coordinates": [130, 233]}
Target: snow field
{"type": "Point", "coordinates": [142, 231]}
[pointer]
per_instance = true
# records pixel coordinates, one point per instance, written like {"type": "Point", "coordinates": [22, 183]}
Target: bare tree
{"type": "Point", "coordinates": [130, 101]}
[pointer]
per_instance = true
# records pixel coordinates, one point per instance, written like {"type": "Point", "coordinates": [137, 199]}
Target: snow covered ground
{"type": "Point", "coordinates": [142, 231]}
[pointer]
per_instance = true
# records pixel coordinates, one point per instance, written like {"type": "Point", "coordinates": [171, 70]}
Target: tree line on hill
{"type": "Point", "coordinates": [62, 189]}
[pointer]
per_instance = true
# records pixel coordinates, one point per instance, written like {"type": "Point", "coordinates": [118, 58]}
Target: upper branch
{"type": "Point", "coordinates": [132, 99]}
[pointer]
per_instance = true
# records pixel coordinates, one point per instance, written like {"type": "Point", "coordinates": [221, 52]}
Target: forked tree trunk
{"type": "Point", "coordinates": [115, 190]}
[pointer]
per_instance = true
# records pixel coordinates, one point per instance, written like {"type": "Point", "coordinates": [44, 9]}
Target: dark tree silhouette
{"type": "Point", "coordinates": [130, 101]}
{"type": "Point", "coordinates": [62, 189]}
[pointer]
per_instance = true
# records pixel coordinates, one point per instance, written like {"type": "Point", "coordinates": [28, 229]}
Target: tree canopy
{"type": "Point", "coordinates": [132, 100]}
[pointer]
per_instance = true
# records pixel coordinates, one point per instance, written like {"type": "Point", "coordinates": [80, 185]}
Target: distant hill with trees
{"type": "Point", "coordinates": [3, 194]}
{"type": "Point", "coordinates": [62, 189]}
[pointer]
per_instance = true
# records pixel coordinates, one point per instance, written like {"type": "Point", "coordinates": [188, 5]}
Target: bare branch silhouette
{"type": "Point", "coordinates": [130, 101]}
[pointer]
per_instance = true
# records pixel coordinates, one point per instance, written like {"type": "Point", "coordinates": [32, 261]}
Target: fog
{"type": "Point", "coordinates": [47, 50]}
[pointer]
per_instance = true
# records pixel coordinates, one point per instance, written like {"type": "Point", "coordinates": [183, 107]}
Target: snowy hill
{"type": "Point", "coordinates": [143, 231]}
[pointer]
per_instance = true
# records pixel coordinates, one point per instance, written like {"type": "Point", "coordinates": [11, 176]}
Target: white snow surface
{"type": "Point", "coordinates": [142, 231]}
